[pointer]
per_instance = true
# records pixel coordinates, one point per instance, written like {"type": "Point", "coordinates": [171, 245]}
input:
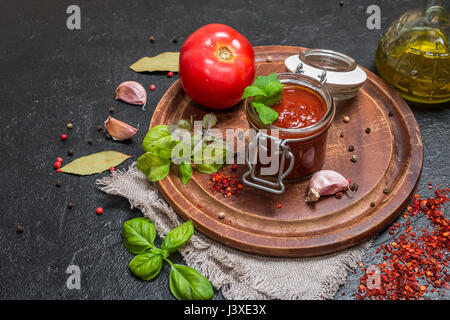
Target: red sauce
{"type": "Point", "coordinates": [299, 107]}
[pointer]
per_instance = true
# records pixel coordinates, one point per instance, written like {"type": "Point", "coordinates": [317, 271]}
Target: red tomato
{"type": "Point", "coordinates": [216, 64]}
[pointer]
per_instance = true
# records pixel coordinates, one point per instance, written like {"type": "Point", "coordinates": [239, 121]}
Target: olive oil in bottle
{"type": "Point", "coordinates": [413, 55]}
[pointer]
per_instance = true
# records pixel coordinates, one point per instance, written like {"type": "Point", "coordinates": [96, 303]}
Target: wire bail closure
{"type": "Point", "coordinates": [250, 177]}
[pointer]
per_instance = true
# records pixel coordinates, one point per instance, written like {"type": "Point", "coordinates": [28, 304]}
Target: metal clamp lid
{"type": "Point", "coordinates": [250, 178]}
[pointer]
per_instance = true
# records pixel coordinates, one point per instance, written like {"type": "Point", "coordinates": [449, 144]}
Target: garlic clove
{"type": "Point", "coordinates": [131, 92]}
{"type": "Point", "coordinates": [119, 130]}
{"type": "Point", "coordinates": [324, 183]}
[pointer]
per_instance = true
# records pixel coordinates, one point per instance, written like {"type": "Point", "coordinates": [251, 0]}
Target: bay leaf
{"type": "Point", "coordinates": [166, 61]}
{"type": "Point", "coordinates": [95, 163]}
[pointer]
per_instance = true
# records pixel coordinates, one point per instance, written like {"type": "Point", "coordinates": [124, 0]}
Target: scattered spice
{"type": "Point", "coordinates": [152, 39]}
{"type": "Point", "coordinates": [70, 152]}
{"type": "Point", "coordinates": [112, 169]}
{"type": "Point", "coordinates": [69, 126]}
{"type": "Point", "coordinates": [279, 205]}
{"type": "Point", "coordinates": [64, 137]}
{"type": "Point", "coordinates": [170, 74]}
{"type": "Point", "coordinates": [226, 183]}
{"type": "Point", "coordinates": [269, 59]}
{"type": "Point", "coordinates": [339, 195]}
{"type": "Point", "coordinates": [391, 114]}
{"type": "Point", "coordinates": [99, 210]}
{"type": "Point", "coordinates": [58, 183]}
{"type": "Point", "coordinates": [174, 40]}
{"type": "Point", "coordinates": [70, 205]}
{"type": "Point", "coordinates": [111, 109]}
{"type": "Point", "coordinates": [221, 215]}
{"type": "Point", "coordinates": [58, 170]}
{"type": "Point", "coordinates": [354, 158]}
{"type": "Point", "coordinates": [57, 165]}
{"type": "Point", "coordinates": [346, 119]}
{"type": "Point", "coordinates": [107, 136]}
{"type": "Point", "coordinates": [351, 148]}
{"type": "Point", "coordinates": [414, 264]}
{"type": "Point", "coordinates": [89, 141]}
{"type": "Point", "coordinates": [367, 130]}
{"type": "Point", "coordinates": [341, 134]}
{"type": "Point", "coordinates": [341, 3]}
{"type": "Point", "coordinates": [19, 228]}
{"type": "Point", "coordinates": [386, 190]}
{"type": "Point", "coordinates": [59, 159]}
{"type": "Point", "coordinates": [99, 128]}
{"type": "Point", "coordinates": [152, 87]}
{"type": "Point", "coordinates": [372, 204]}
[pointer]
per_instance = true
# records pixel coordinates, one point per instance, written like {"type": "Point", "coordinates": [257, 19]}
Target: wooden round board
{"type": "Point", "coordinates": [391, 156]}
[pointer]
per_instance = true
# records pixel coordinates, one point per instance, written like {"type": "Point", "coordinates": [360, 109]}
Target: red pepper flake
{"type": "Point", "coordinates": [413, 262]}
{"type": "Point", "coordinates": [199, 205]}
{"type": "Point", "coordinates": [170, 74]}
{"type": "Point", "coordinates": [226, 183]}
{"type": "Point", "coordinates": [64, 137]}
{"type": "Point", "coordinates": [152, 87]}
{"type": "Point", "coordinates": [279, 205]}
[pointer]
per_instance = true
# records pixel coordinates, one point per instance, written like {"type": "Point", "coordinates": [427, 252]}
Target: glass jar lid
{"type": "Point", "coordinates": [340, 73]}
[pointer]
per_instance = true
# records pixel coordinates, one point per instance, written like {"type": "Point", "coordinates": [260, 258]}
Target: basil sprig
{"type": "Point", "coordinates": [185, 283]}
{"type": "Point", "coordinates": [266, 91]}
{"type": "Point", "coordinates": [160, 141]}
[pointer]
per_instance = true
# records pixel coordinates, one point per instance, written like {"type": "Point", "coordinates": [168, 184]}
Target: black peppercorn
{"type": "Point", "coordinates": [354, 158]}
{"type": "Point", "coordinates": [341, 135]}
{"type": "Point", "coordinates": [99, 128]}
{"type": "Point", "coordinates": [70, 152]}
{"type": "Point", "coordinates": [351, 148]}
{"type": "Point", "coordinates": [367, 130]}
{"type": "Point", "coordinates": [89, 141]}
{"type": "Point", "coordinates": [107, 136]}
{"type": "Point", "coordinates": [111, 110]}
{"type": "Point", "coordinates": [58, 183]}
{"type": "Point", "coordinates": [19, 228]}
{"type": "Point", "coordinates": [386, 190]}
{"type": "Point", "coordinates": [174, 40]}
{"type": "Point", "coordinates": [152, 39]}
{"type": "Point", "coordinates": [372, 204]}
{"type": "Point", "coordinates": [70, 205]}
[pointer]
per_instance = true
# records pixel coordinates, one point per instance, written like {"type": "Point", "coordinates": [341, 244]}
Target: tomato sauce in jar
{"type": "Point", "coordinates": [305, 112]}
{"type": "Point", "coordinates": [299, 107]}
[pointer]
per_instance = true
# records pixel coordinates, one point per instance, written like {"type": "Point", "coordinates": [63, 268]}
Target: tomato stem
{"type": "Point", "coordinates": [224, 53]}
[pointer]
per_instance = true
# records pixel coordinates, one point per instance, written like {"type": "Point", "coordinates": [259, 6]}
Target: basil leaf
{"type": "Point", "coordinates": [209, 120]}
{"type": "Point", "coordinates": [146, 266]}
{"type": "Point", "coordinates": [163, 147]}
{"type": "Point", "coordinates": [185, 170]}
{"type": "Point", "coordinates": [266, 114]}
{"type": "Point", "coordinates": [188, 284]}
{"type": "Point", "coordinates": [252, 91]}
{"type": "Point", "coordinates": [153, 166]}
{"type": "Point", "coordinates": [178, 236]}
{"type": "Point", "coordinates": [272, 87]}
{"type": "Point", "coordinates": [153, 135]}
{"type": "Point", "coordinates": [163, 253]}
{"type": "Point", "coordinates": [138, 235]}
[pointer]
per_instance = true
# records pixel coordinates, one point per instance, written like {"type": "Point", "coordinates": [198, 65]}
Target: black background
{"type": "Point", "coordinates": [51, 76]}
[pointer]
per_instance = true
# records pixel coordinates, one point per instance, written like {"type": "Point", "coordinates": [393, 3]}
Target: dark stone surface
{"type": "Point", "coordinates": [51, 76]}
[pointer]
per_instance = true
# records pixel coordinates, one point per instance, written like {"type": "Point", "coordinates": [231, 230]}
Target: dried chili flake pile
{"type": "Point", "coordinates": [226, 182]}
{"type": "Point", "coordinates": [413, 263]}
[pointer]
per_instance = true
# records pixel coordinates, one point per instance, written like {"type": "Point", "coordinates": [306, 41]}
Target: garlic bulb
{"type": "Point", "coordinates": [131, 92]}
{"type": "Point", "coordinates": [119, 130]}
{"type": "Point", "coordinates": [324, 183]}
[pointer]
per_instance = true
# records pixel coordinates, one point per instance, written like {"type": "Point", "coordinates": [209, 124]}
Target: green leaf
{"type": "Point", "coordinates": [188, 284]}
{"type": "Point", "coordinates": [166, 61]}
{"type": "Point", "coordinates": [95, 163]}
{"type": "Point", "coordinates": [209, 120]}
{"type": "Point", "coordinates": [138, 235]}
{"type": "Point", "coordinates": [266, 114]}
{"type": "Point", "coordinates": [146, 266]}
{"type": "Point", "coordinates": [252, 91]}
{"type": "Point", "coordinates": [153, 135]}
{"type": "Point", "coordinates": [153, 166]}
{"type": "Point", "coordinates": [186, 171]}
{"type": "Point", "coordinates": [178, 236]}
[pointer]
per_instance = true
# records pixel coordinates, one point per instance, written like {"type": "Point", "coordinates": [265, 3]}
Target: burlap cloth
{"type": "Point", "coordinates": [237, 274]}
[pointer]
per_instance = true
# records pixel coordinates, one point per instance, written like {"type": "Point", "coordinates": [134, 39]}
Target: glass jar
{"type": "Point", "coordinates": [413, 56]}
{"type": "Point", "coordinates": [301, 151]}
